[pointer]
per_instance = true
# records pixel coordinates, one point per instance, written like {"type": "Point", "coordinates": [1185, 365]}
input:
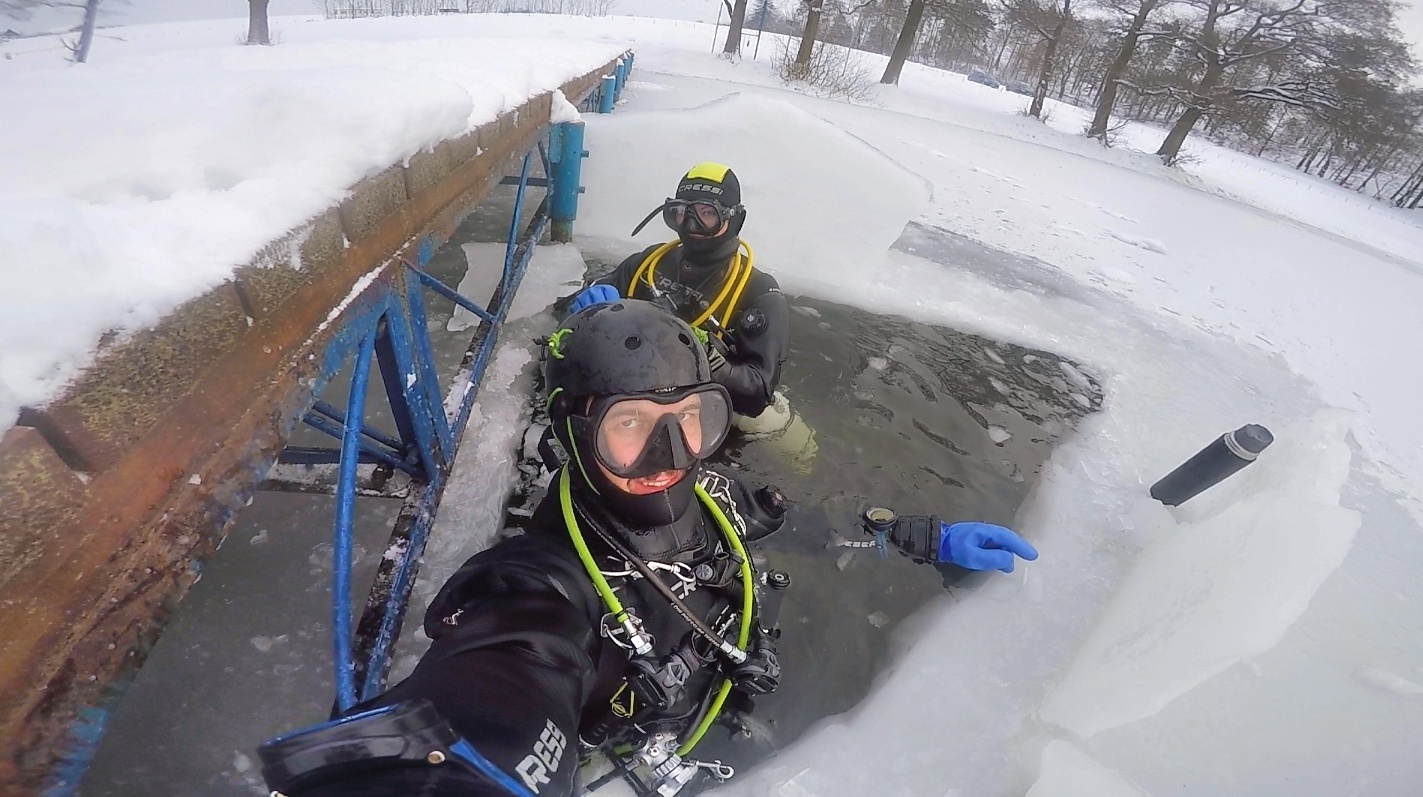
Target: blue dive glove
{"type": "Point", "coordinates": [982, 546]}
{"type": "Point", "coordinates": [593, 294]}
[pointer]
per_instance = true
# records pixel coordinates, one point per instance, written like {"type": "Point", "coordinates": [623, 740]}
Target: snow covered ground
{"type": "Point", "coordinates": [1265, 639]}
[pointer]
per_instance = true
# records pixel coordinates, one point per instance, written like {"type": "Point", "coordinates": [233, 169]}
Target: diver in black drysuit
{"type": "Point", "coordinates": [701, 276]}
{"type": "Point", "coordinates": [532, 664]}
{"type": "Point", "coordinates": [517, 654]}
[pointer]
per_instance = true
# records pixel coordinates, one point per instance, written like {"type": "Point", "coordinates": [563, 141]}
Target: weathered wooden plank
{"type": "Point", "coordinates": [290, 262]}
{"type": "Point", "coordinates": [40, 500]}
{"type": "Point", "coordinates": [129, 387]}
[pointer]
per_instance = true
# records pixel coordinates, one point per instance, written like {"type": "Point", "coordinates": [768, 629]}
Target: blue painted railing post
{"type": "Point", "coordinates": [566, 154]}
{"type": "Point", "coordinates": [605, 99]}
{"type": "Point", "coordinates": [341, 619]}
{"type": "Point", "coordinates": [622, 78]}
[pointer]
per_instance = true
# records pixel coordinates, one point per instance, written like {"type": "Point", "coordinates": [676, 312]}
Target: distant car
{"type": "Point", "coordinates": [983, 78]}
{"type": "Point", "coordinates": [1019, 87]}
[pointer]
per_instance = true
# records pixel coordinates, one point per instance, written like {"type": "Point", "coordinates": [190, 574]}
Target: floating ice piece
{"type": "Point", "coordinates": [1075, 376]}
{"type": "Point", "coordinates": [550, 266]}
{"type": "Point", "coordinates": [265, 643]}
{"type": "Point", "coordinates": [1390, 681]}
{"type": "Point", "coordinates": [1212, 593]}
{"type": "Point", "coordinates": [999, 435]}
{"type": "Point", "coordinates": [1069, 772]}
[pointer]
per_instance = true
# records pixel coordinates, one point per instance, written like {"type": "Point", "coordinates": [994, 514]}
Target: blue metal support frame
{"type": "Point", "coordinates": [512, 242]}
{"type": "Point", "coordinates": [307, 455]}
{"type": "Point", "coordinates": [436, 425]}
{"type": "Point", "coordinates": [544, 159]}
{"type": "Point", "coordinates": [340, 418]}
{"type": "Point", "coordinates": [369, 452]}
{"type": "Point", "coordinates": [386, 322]}
{"type": "Point", "coordinates": [391, 327]}
{"type": "Point", "coordinates": [450, 293]}
{"type": "Point", "coordinates": [345, 508]}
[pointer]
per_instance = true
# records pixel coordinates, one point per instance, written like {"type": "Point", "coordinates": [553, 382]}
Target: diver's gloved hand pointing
{"type": "Point", "coordinates": [982, 546]}
{"type": "Point", "coordinates": [591, 295]}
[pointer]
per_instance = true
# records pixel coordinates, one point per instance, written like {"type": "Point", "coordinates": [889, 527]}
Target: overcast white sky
{"type": "Point", "coordinates": [1411, 21]}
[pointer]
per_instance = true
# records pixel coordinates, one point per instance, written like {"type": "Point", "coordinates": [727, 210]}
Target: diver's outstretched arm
{"type": "Point", "coordinates": [510, 668]}
{"type": "Point", "coordinates": [971, 545]}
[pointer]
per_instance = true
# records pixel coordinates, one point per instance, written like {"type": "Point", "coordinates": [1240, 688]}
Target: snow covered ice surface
{"type": "Point", "coordinates": [1265, 639]}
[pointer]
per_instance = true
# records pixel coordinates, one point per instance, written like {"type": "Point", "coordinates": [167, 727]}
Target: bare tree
{"type": "Point", "coordinates": [1048, 19]}
{"type": "Point", "coordinates": [733, 30]}
{"type": "Point", "coordinates": [80, 47]}
{"type": "Point", "coordinates": [813, 10]}
{"type": "Point", "coordinates": [905, 45]}
{"type": "Point", "coordinates": [257, 29]}
{"type": "Point", "coordinates": [86, 31]}
{"type": "Point", "coordinates": [1232, 33]}
{"type": "Point", "coordinates": [1107, 96]}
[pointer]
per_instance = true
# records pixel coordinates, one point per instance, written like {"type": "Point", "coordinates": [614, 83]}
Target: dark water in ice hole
{"type": "Point", "coordinates": [901, 413]}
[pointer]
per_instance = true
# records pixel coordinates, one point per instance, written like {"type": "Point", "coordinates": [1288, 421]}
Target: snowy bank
{"type": "Point", "coordinates": [145, 179]}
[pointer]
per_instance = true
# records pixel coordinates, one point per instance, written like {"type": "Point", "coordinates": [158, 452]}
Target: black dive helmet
{"type": "Point", "coordinates": [611, 370]}
{"type": "Point", "coordinates": [708, 195]}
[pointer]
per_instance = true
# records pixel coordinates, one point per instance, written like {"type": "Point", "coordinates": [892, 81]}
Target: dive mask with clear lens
{"type": "Point", "coordinates": [691, 217]}
{"type": "Point", "coordinates": [642, 434]}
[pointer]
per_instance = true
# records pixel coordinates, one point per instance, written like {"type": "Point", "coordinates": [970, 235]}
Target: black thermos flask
{"type": "Point", "coordinates": [1225, 455]}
